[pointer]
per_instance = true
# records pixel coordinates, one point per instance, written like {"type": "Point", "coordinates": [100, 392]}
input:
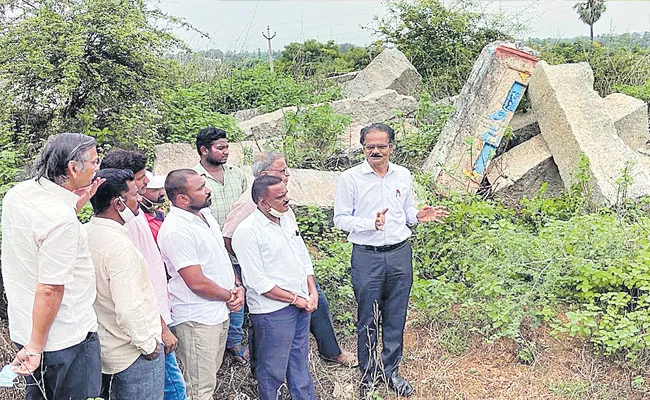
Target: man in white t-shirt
{"type": "Point", "coordinates": [202, 287]}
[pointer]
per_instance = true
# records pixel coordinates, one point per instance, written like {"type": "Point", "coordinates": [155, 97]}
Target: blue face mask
{"type": "Point", "coordinates": [7, 376]}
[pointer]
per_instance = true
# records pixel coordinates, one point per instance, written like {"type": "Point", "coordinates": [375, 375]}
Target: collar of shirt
{"type": "Point", "coordinates": [109, 223]}
{"type": "Point", "coordinates": [204, 172]}
{"type": "Point", "coordinates": [65, 194]}
{"type": "Point", "coordinates": [367, 169]}
{"type": "Point", "coordinates": [188, 215]}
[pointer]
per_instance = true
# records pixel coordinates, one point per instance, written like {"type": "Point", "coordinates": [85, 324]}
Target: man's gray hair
{"type": "Point", "coordinates": [52, 162]}
{"type": "Point", "coordinates": [263, 161]}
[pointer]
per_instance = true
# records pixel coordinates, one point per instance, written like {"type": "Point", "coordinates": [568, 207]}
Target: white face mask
{"type": "Point", "coordinates": [126, 214]}
{"type": "Point", "coordinates": [276, 213]}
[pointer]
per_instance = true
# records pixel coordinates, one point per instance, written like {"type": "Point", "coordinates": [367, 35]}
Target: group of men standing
{"type": "Point", "coordinates": [106, 308]}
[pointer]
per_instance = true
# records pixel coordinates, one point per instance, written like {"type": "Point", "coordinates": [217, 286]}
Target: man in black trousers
{"type": "Point", "coordinates": [374, 203]}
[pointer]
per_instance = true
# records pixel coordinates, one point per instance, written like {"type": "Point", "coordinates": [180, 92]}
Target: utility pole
{"type": "Point", "coordinates": [268, 38]}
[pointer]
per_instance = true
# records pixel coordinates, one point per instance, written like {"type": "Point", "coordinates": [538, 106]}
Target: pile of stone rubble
{"type": "Point", "coordinates": [486, 145]}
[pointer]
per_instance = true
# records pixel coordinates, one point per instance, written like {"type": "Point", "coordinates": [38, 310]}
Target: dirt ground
{"type": "Point", "coordinates": [562, 368]}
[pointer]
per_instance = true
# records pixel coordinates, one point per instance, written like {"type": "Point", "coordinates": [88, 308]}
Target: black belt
{"type": "Point", "coordinates": [382, 249]}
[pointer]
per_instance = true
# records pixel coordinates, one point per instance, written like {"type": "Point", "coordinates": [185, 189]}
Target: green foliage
{"type": "Point", "coordinates": [639, 91]}
{"type": "Point", "coordinates": [414, 143]}
{"type": "Point", "coordinates": [187, 110]}
{"type": "Point", "coordinates": [615, 67]}
{"type": "Point", "coordinates": [442, 42]}
{"type": "Point", "coordinates": [312, 58]}
{"type": "Point", "coordinates": [589, 12]}
{"type": "Point", "coordinates": [93, 66]}
{"type": "Point", "coordinates": [311, 136]}
{"type": "Point", "coordinates": [236, 89]}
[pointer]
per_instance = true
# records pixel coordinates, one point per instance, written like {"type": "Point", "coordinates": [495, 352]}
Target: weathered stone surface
{"type": "Point", "coordinates": [308, 187]}
{"type": "Point", "coordinates": [521, 171]}
{"type": "Point", "coordinates": [265, 125]}
{"type": "Point", "coordinates": [170, 156]}
{"type": "Point", "coordinates": [524, 127]}
{"type": "Point", "coordinates": [377, 107]}
{"type": "Point", "coordinates": [389, 70]}
{"type": "Point", "coordinates": [630, 116]}
{"type": "Point", "coordinates": [483, 111]}
{"type": "Point", "coordinates": [574, 121]}
{"type": "Point", "coordinates": [243, 115]}
{"type": "Point", "coordinates": [343, 77]}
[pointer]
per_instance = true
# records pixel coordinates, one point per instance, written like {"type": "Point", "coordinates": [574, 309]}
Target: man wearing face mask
{"type": "Point", "coordinates": [129, 323]}
{"type": "Point", "coordinates": [202, 283]}
{"type": "Point", "coordinates": [281, 291]}
{"type": "Point", "coordinates": [143, 239]}
{"type": "Point", "coordinates": [152, 201]}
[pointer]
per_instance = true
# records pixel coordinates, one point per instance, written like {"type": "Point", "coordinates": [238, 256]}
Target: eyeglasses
{"type": "Point", "coordinates": [284, 170]}
{"type": "Point", "coordinates": [95, 162]}
{"type": "Point", "coordinates": [376, 146]}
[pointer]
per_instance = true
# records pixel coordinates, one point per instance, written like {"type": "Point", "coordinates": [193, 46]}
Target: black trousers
{"type": "Point", "coordinates": [382, 285]}
{"type": "Point", "coordinates": [73, 373]}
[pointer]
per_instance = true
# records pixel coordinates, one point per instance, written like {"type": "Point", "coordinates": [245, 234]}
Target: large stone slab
{"type": "Point", "coordinates": [521, 172]}
{"type": "Point", "coordinates": [483, 111]}
{"type": "Point", "coordinates": [379, 106]}
{"type": "Point", "coordinates": [574, 121]}
{"type": "Point", "coordinates": [306, 187]}
{"type": "Point", "coordinates": [630, 116]}
{"type": "Point", "coordinates": [389, 70]}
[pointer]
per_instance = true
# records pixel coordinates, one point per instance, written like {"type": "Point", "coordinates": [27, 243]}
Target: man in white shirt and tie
{"type": "Point", "coordinates": [374, 203]}
{"type": "Point", "coordinates": [281, 290]}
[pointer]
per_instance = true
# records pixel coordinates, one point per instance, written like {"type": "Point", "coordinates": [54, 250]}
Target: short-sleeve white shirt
{"type": "Point", "coordinates": [185, 239]}
{"type": "Point", "coordinates": [44, 242]}
{"type": "Point", "coordinates": [270, 254]}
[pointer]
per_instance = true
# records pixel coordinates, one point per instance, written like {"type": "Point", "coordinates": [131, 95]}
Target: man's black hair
{"type": "Point", "coordinates": [115, 185]}
{"type": "Point", "coordinates": [261, 186]}
{"type": "Point", "coordinates": [125, 159]}
{"type": "Point", "coordinates": [377, 127]}
{"type": "Point", "coordinates": [176, 183]}
{"type": "Point", "coordinates": [206, 136]}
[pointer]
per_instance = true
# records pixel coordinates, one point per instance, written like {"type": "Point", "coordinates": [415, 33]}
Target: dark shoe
{"type": "Point", "coordinates": [240, 353]}
{"type": "Point", "coordinates": [400, 385]}
{"type": "Point", "coordinates": [345, 359]}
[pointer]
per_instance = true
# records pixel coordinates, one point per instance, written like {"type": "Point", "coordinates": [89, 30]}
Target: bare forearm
{"type": "Point", "coordinates": [228, 243]}
{"type": "Point", "coordinates": [311, 284]}
{"type": "Point", "coordinates": [210, 290]}
{"type": "Point", "coordinates": [47, 301]}
{"type": "Point", "coordinates": [279, 294]}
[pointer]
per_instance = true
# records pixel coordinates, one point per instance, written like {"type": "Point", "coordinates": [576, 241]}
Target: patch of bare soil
{"type": "Point", "coordinates": [561, 368]}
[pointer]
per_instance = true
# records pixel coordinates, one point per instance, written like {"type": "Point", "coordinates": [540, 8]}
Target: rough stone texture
{"type": "Point", "coordinates": [377, 107]}
{"type": "Point", "coordinates": [521, 171]}
{"type": "Point", "coordinates": [265, 125]}
{"type": "Point", "coordinates": [389, 70]}
{"type": "Point", "coordinates": [573, 121]}
{"type": "Point", "coordinates": [308, 187]}
{"type": "Point", "coordinates": [343, 77]}
{"type": "Point", "coordinates": [630, 116]}
{"type": "Point", "coordinates": [524, 127]}
{"type": "Point", "coordinates": [170, 156]}
{"type": "Point", "coordinates": [483, 111]}
{"type": "Point", "coordinates": [243, 115]}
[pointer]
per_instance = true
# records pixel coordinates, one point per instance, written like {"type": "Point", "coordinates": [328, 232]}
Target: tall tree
{"type": "Point", "coordinates": [94, 66]}
{"type": "Point", "coordinates": [589, 12]}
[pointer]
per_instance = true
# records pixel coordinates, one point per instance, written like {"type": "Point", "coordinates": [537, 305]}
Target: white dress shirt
{"type": "Point", "coordinates": [361, 193]}
{"type": "Point", "coordinates": [271, 255]}
{"type": "Point", "coordinates": [185, 239]}
{"type": "Point", "coordinates": [44, 242]}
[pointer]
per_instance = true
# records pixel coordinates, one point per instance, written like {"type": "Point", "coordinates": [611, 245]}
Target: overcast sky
{"type": "Point", "coordinates": [237, 25]}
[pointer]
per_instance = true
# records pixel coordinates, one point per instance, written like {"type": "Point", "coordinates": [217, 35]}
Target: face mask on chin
{"type": "Point", "coordinates": [126, 214]}
{"type": "Point", "coordinates": [275, 213]}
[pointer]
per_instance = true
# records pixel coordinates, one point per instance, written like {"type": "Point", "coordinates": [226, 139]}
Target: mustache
{"type": "Point", "coordinates": [376, 155]}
